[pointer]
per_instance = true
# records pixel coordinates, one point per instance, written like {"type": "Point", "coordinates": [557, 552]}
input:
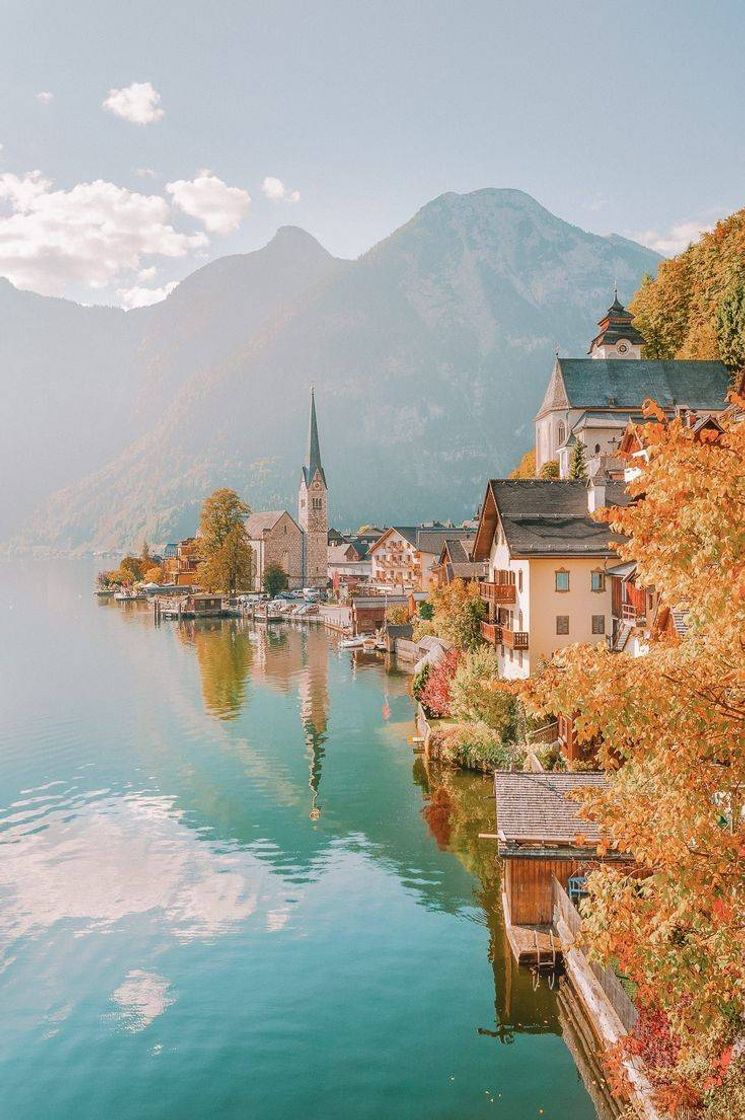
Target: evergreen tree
{"type": "Point", "coordinates": [275, 580]}
{"type": "Point", "coordinates": [578, 461]}
{"type": "Point", "coordinates": [731, 327]}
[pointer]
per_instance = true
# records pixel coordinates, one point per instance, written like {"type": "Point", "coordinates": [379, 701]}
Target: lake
{"type": "Point", "coordinates": [229, 888]}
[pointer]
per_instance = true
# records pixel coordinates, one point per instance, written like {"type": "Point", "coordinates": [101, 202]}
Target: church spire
{"type": "Point", "coordinates": [314, 448]}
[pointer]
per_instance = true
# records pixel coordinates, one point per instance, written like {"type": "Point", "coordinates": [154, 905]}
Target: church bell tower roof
{"type": "Point", "coordinates": [616, 324]}
{"type": "Point", "coordinates": [314, 447]}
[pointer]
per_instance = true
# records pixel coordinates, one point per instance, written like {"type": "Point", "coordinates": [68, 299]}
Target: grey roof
{"type": "Point", "coordinates": [543, 517]}
{"type": "Point", "coordinates": [170, 551]}
{"type": "Point", "coordinates": [617, 323]}
{"type": "Point", "coordinates": [314, 447]}
{"type": "Point", "coordinates": [432, 540]}
{"type": "Point", "coordinates": [596, 419]}
{"type": "Point", "coordinates": [623, 571]}
{"type": "Point", "coordinates": [596, 383]}
{"type": "Point", "coordinates": [259, 523]}
{"type": "Point", "coordinates": [536, 806]}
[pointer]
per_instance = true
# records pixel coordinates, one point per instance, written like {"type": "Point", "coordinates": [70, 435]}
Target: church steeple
{"type": "Point", "coordinates": [618, 337]}
{"type": "Point", "coordinates": [313, 508]}
{"type": "Point", "coordinates": [314, 447]}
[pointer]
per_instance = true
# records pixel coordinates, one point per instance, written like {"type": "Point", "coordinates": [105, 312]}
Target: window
{"type": "Point", "coordinates": [561, 580]}
{"type": "Point", "coordinates": [318, 503]}
{"type": "Point", "coordinates": [562, 624]}
{"type": "Point", "coordinates": [598, 624]}
{"type": "Point", "coordinates": [597, 448]}
{"type": "Point", "coordinates": [561, 434]}
{"type": "Point", "coordinates": [520, 580]}
{"type": "Point", "coordinates": [597, 581]}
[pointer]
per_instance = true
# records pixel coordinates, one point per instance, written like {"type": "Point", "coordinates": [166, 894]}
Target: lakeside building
{"type": "Point", "coordinates": [547, 557]}
{"type": "Point", "coordinates": [456, 562]}
{"type": "Point", "coordinates": [593, 400]}
{"type": "Point", "coordinates": [404, 556]}
{"type": "Point", "coordinates": [276, 538]}
{"type": "Point", "coordinates": [181, 562]}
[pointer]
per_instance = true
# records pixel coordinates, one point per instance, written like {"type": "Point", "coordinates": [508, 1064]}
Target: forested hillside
{"type": "Point", "coordinates": [695, 308]}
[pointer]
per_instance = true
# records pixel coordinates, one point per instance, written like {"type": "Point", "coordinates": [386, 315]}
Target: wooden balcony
{"type": "Point", "coordinates": [491, 633]}
{"type": "Point", "coordinates": [514, 639]}
{"type": "Point", "coordinates": [497, 592]}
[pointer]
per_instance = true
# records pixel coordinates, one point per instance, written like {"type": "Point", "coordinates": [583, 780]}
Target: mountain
{"type": "Point", "coordinates": [429, 354]}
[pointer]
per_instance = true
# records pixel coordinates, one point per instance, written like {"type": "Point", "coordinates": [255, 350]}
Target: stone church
{"type": "Point", "coordinates": [299, 547]}
{"type": "Point", "coordinates": [593, 399]}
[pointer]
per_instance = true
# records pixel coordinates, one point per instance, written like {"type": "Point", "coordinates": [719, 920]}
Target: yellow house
{"type": "Point", "coordinates": [547, 556]}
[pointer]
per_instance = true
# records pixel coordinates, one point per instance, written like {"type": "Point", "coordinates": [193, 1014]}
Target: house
{"type": "Point", "coordinates": [404, 557]}
{"type": "Point", "coordinates": [546, 556]}
{"type": "Point", "coordinates": [455, 562]}
{"type": "Point", "coordinates": [592, 400]}
{"type": "Point", "coordinates": [276, 538]}
{"type": "Point", "coordinates": [368, 612]}
{"type": "Point", "coordinates": [181, 562]}
{"type": "Point", "coordinates": [541, 837]}
{"type": "Point", "coordinates": [346, 566]}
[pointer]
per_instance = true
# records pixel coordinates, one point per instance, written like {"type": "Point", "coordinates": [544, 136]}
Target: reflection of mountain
{"type": "Point", "coordinates": [224, 654]}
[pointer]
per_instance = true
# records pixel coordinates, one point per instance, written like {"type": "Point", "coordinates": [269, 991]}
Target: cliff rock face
{"type": "Point", "coordinates": [429, 355]}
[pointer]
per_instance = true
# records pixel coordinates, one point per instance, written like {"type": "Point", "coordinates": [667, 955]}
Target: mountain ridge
{"type": "Point", "coordinates": [429, 354]}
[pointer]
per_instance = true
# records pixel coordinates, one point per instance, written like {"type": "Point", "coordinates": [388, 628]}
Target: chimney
{"type": "Point", "coordinates": [595, 494]}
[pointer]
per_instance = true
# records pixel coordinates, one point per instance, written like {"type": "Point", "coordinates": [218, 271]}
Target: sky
{"type": "Point", "coordinates": [142, 139]}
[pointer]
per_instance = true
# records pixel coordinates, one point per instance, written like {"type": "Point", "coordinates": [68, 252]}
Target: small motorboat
{"type": "Point", "coordinates": [352, 643]}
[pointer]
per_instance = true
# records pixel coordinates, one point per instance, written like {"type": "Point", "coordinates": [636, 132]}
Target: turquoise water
{"type": "Point", "coordinates": [229, 889]}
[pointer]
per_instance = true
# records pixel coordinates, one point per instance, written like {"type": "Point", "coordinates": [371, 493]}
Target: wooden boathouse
{"type": "Point", "coordinates": [541, 837]}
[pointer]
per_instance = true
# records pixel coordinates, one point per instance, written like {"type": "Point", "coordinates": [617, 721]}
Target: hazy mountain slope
{"type": "Point", "coordinates": [429, 354]}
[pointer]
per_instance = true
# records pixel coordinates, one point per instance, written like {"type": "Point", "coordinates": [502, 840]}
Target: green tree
{"type": "Point", "coordinates": [578, 461]}
{"type": "Point", "coordinates": [425, 610]}
{"type": "Point", "coordinates": [275, 579]}
{"type": "Point", "coordinates": [550, 469]}
{"type": "Point", "coordinates": [221, 513]}
{"type": "Point", "coordinates": [476, 696]}
{"type": "Point", "coordinates": [730, 317]}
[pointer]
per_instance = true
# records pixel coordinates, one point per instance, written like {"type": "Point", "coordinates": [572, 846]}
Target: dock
{"type": "Point", "coordinates": [536, 945]}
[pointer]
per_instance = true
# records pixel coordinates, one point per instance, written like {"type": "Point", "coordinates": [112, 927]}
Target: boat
{"type": "Point", "coordinates": [369, 644]}
{"type": "Point", "coordinates": [104, 593]}
{"type": "Point", "coordinates": [351, 643]}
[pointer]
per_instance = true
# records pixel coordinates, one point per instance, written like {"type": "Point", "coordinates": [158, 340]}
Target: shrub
{"type": "Point", "coordinates": [419, 681]}
{"type": "Point", "coordinates": [550, 469]}
{"type": "Point", "coordinates": [398, 614]}
{"type": "Point", "coordinates": [435, 695]}
{"type": "Point", "coordinates": [475, 695]}
{"type": "Point", "coordinates": [474, 746]}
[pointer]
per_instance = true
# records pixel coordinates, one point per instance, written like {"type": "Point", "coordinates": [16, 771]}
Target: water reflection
{"type": "Point", "coordinates": [224, 654]}
{"type": "Point", "coordinates": [459, 806]}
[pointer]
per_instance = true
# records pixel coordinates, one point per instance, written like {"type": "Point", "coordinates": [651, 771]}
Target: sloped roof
{"type": "Point", "coordinates": [536, 806]}
{"type": "Point", "coordinates": [259, 523]}
{"type": "Point", "coordinates": [338, 553]}
{"type": "Point", "coordinates": [612, 383]}
{"type": "Point", "coordinates": [432, 540]}
{"type": "Point", "coordinates": [544, 517]}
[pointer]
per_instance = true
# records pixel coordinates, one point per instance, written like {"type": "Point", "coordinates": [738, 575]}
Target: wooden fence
{"type": "Point", "coordinates": [615, 993]}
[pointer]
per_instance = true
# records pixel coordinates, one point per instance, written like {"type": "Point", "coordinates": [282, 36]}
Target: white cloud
{"type": "Point", "coordinates": [276, 191]}
{"type": "Point", "coordinates": [130, 298]}
{"type": "Point", "coordinates": [674, 240]}
{"type": "Point", "coordinates": [145, 173]}
{"type": "Point", "coordinates": [93, 234]}
{"type": "Point", "coordinates": [219, 207]}
{"type": "Point", "coordinates": [45, 97]}
{"type": "Point", "coordinates": [146, 274]}
{"type": "Point", "coordinates": [137, 103]}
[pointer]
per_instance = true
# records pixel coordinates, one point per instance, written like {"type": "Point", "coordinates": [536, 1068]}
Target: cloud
{"type": "Point", "coordinates": [137, 103]}
{"type": "Point", "coordinates": [276, 191]}
{"type": "Point", "coordinates": [93, 234]}
{"type": "Point", "coordinates": [140, 999]}
{"type": "Point", "coordinates": [674, 240]}
{"type": "Point", "coordinates": [145, 173]}
{"type": "Point", "coordinates": [147, 273]}
{"type": "Point", "coordinates": [130, 298]}
{"type": "Point", "coordinates": [219, 207]}
{"type": "Point", "coordinates": [45, 97]}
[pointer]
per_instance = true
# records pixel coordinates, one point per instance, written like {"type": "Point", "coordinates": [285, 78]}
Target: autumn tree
{"type": "Point", "coordinates": [224, 546]}
{"type": "Point", "coordinates": [397, 614]}
{"type": "Point", "coordinates": [671, 727]}
{"type": "Point", "coordinates": [730, 320]}
{"type": "Point", "coordinates": [221, 513]}
{"type": "Point", "coordinates": [458, 610]}
{"type": "Point", "coordinates": [578, 461]}
{"type": "Point", "coordinates": [526, 467]}
{"type": "Point", "coordinates": [550, 469]}
{"type": "Point", "coordinates": [475, 696]}
{"type": "Point", "coordinates": [275, 580]}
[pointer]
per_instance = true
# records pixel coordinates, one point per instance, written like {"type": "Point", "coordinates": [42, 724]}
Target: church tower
{"type": "Point", "coordinates": [313, 509]}
{"type": "Point", "coordinates": [618, 337]}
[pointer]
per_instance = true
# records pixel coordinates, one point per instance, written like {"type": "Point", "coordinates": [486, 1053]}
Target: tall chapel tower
{"type": "Point", "coordinates": [313, 509]}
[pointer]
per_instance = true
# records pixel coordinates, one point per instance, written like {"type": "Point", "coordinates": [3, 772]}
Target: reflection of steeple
{"type": "Point", "coordinates": [314, 701]}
